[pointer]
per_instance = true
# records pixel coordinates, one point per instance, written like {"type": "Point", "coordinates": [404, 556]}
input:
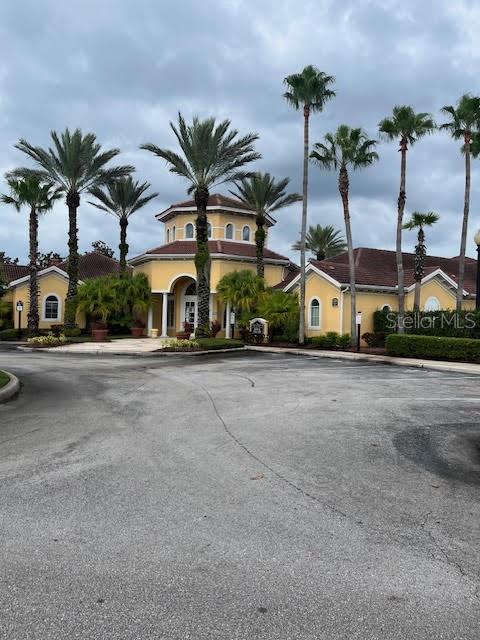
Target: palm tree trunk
{"type": "Point", "coordinates": [401, 208]}
{"type": "Point", "coordinates": [419, 251]}
{"type": "Point", "coordinates": [202, 264]}
{"type": "Point", "coordinates": [73, 202]}
{"type": "Point", "coordinates": [303, 230]}
{"type": "Point", "coordinates": [33, 317]}
{"type": "Point", "coordinates": [260, 244]}
{"type": "Point", "coordinates": [123, 247]}
{"type": "Point", "coordinates": [343, 185]}
{"type": "Point", "coordinates": [466, 210]}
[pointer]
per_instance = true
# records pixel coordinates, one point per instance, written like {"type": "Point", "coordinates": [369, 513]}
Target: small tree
{"type": "Point", "coordinates": [281, 311]}
{"type": "Point", "coordinates": [419, 221]}
{"type": "Point", "coordinates": [240, 289]}
{"type": "Point", "coordinates": [99, 246]}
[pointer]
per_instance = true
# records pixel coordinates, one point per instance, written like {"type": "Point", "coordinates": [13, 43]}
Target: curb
{"type": "Point", "coordinates": [11, 389]}
{"type": "Point", "coordinates": [435, 365]}
{"type": "Point", "coordinates": [130, 354]}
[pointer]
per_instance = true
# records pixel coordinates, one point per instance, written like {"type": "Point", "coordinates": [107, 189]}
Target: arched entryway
{"type": "Point", "coordinates": [182, 303]}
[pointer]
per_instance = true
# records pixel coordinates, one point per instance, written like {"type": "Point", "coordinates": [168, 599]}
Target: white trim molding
{"type": "Point", "coordinates": [229, 224]}
{"type": "Point", "coordinates": [59, 308]}
{"type": "Point", "coordinates": [310, 325]}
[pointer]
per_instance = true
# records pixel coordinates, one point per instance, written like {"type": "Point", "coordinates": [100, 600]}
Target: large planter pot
{"type": "Point", "coordinates": [183, 335]}
{"type": "Point", "coordinates": [137, 332]}
{"type": "Point", "coordinates": [154, 333]}
{"type": "Point", "coordinates": [99, 335]}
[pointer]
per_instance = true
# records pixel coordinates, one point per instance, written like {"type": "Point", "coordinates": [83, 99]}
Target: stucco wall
{"type": "Point", "coordinates": [218, 222]}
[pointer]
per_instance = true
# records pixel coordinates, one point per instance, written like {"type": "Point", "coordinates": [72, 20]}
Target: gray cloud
{"type": "Point", "coordinates": [123, 69]}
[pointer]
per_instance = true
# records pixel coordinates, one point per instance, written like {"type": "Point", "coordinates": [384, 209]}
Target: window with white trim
{"type": "Point", "coordinates": [52, 308]}
{"type": "Point", "coordinates": [432, 304]}
{"type": "Point", "coordinates": [246, 233]}
{"type": "Point", "coordinates": [314, 314]}
{"type": "Point", "coordinates": [189, 231]}
{"type": "Point", "coordinates": [209, 230]}
{"type": "Point", "coordinates": [386, 307]}
{"type": "Point", "coordinates": [168, 236]}
{"type": "Point", "coordinates": [229, 231]}
{"type": "Point", "coordinates": [174, 232]}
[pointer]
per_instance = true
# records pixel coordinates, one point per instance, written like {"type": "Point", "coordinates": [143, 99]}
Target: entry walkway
{"type": "Point", "coordinates": [125, 346]}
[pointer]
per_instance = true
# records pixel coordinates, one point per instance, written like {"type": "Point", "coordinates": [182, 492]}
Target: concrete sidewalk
{"type": "Point", "coordinates": [438, 365]}
{"type": "Point", "coordinates": [125, 346]}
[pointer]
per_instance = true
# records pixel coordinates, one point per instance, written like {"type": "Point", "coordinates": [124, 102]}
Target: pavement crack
{"type": "Point", "coordinates": [438, 546]}
{"type": "Point", "coordinates": [278, 475]}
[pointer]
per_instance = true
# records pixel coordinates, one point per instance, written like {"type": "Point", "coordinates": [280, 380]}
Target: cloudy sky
{"type": "Point", "coordinates": [123, 68]}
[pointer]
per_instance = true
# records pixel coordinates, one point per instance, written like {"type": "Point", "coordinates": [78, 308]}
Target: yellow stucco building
{"type": "Point", "coordinates": [171, 272]}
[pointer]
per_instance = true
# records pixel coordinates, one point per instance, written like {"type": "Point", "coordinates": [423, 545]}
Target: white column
{"type": "Point", "coordinates": [227, 323]}
{"type": "Point", "coordinates": [164, 314]}
{"type": "Point", "coordinates": [150, 321]}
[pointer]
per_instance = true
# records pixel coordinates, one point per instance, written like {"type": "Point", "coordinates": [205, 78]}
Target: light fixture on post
{"type": "Point", "coordinates": [476, 237]}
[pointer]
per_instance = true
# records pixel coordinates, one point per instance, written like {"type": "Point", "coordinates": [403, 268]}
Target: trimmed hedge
{"type": "Point", "coordinates": [219, 343]}
{"type": "Point", "coordinates": [9, 334]}
{"type": "Point", "coordinates": [433, 347]}
{"type": "Point", "coordinates": [331, 340]}
{"type": "Point", "coordinates": [444, 323]}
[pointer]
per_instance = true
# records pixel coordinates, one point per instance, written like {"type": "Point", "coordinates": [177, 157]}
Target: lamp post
{"type": "Point", "coordinates": [19, 307]}
{"type": "Point", "coordinates": [476, 237]}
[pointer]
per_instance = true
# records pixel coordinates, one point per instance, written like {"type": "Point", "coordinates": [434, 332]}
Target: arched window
{"type": "Point", "coordinates": [168, 236]}
{"type": "Point", "coordinates": [173, 233]}
{"type": "Point", "coordinates": [191, 290]}
{"type": "Point", "coordinates": [209, 230]}
{"type": "Point", "coordinates": [432, 304]}
{"type": "Point", "coordinates": [189, 231]}
{"type": "Point", "coordinates": [386, 307]}
{"type": "Point", "coordinates": [229, 231]}
{"type": "Point", "coordinates": [246, 233]}
{"type": "Point", "coordinates": [314, 314]}
{"type": "Point", "coordinates": [51, 310]}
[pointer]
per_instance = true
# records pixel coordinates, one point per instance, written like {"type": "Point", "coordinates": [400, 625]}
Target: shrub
{"type": "Point", "coordinates": [72, 333]}
{"type": "Point", "coordinates": [445, 323]}
{"type": "Point", "coordinates": [433, 347]}
{"type": "Point", "coordinates": [215, 327]}
{"type": "Point", "coordinates": [180, 344]}
{"type": "Point", "coordinates": [50, 340]}
{"type": "Point", "coordinates": [218, 343]}
{"type": "Point", "coordinates": [375, 339]}
{"type": "Point", "coordinates": [9, 334]}
{"type": "Point", "coordinates": [57, 329]}
{"type": "Point", "coordinates": [6, 315]}
{"type": "Point", "coordinates": [281, 311]}
{"type": "Point", "coordinates": [331, 340]}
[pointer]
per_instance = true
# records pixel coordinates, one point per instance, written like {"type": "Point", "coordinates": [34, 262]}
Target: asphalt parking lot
{"type": "Point", "coordinates": [241, 496]}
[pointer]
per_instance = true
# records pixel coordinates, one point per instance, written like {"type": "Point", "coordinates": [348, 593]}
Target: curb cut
{"type": "Point", "coordinates": [11, 389]}
{"type": "Point", "coordinates": [434, 365]}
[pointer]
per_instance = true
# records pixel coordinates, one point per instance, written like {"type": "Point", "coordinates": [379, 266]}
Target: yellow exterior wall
{"type": "Point", "coordinates": [47, 284]}
{"type": "Point", "coordinates": [218, 220]}
{"type": "Point", "coordinates": [367, 302]}
{"type": "Point", "coordinates": [433, 288]}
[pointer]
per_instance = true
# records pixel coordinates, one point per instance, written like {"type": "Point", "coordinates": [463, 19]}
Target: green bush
{"type": "Point", "coordinates": [218, 343]}
{"type": "Point", "coordinates": [76, 332]}
{"type": "Point", "coordinates": [331, 340]}
{"type": "Point", "coordinates": [9, 334]}
{"type": "Point", "coordinates": [445, 323]}
{"type": "Point", "coordinates": [433, 347]}
{"type": "Point", "coordinates": [6, 315]}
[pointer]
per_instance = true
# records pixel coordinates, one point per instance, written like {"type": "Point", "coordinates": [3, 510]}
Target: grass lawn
{"type": "Point", "coordinates": [4, 378]}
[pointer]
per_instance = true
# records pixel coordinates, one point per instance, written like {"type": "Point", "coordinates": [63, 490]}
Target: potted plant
{"type": "Point", "coordinates": [96, 297]}
{"type": "Point", "coordinates": [135, 293]}
{"type": "Point", "coordinates": [137, 328]}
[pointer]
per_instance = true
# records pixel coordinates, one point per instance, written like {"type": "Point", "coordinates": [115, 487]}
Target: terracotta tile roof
{"type": "Point", "coordinates": [94, 264]}
{"type": "Point", "coordinates": [10, 272]}
{"type": "Point", "coordinates": [378, 267]}
{"type": "Point", "coordinates": [217, 200]}
{"type": "Point", "coordinates": [226, 247]}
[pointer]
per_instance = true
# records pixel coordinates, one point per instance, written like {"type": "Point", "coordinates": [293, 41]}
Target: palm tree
{"type": "Point", "coordinates": [308, 90]}
{"type": "Point", "coordinates": [323, 242]}
{"type": "Point", "coordinates": [75, 164]}
{"type": "Point", "coordinates": [240, 289]}
{"type": "Point", "coordinates": [346, 147]}
{"type": "Point", "coordinates": [406, 126]}
{"type": "Point", "coordinates": [464, 123]}
{"type": "Point", "coordinates": [39, 196]}
{"type": "Point", "coordinates": [265, 195]}
{"type": "Point", "coordinates": [419, 221]}
{"type": "Point", "coordinates": [122, 198]}
{"type": "Point", "coordinates": [212, 154]}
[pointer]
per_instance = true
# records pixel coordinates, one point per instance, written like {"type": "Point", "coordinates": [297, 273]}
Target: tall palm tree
{"type": "Point", "coordinates": [122, 198]}
{"type": "Point", "coordinates": [39, 196]}
{"type": "Point", "coordinates": [308, 90]}
{"type": "Point", "coordinates": [76, 164]}
{"type": "Point", "coordinates": [323, 242]}
{"type": "Point", "coordinates": [346, 148]}
{"type": "Point", "coordinates": [212, 154]}
{"type": "Point", "coordinates": [265, 195]}
{"type": "Point", "coordinates": [419, 221]}
{"type": "Point", "coordinates": [463, 124]}
{"type": "Point", "coordinates": [407, 127]}
{"type": "Point", "coordinates": [241, 289]}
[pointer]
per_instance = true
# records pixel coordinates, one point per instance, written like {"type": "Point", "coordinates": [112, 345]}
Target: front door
{"type": "Point", "coordinates": [189, 316]}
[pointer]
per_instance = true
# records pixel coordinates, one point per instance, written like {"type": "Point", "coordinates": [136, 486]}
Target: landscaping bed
{"type": "Point", "coordinates": [4, 379]}
{"type": "Point", "coordinates": [201, 344]}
